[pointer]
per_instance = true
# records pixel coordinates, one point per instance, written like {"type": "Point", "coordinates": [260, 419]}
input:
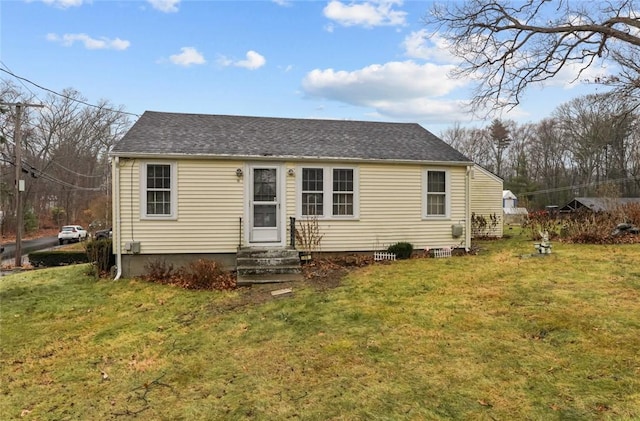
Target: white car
{"type": "Point", "coordinates": [72, 233]}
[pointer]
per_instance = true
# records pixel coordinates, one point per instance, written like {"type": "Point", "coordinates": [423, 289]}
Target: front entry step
{"type": "Point", "coordinates": [267, 265]}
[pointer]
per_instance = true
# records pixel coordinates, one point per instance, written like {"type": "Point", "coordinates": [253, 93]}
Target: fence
{"type": "Point", "coordinates": [446, 252]}
{"type": "Point", "coordinates": [383, 255]}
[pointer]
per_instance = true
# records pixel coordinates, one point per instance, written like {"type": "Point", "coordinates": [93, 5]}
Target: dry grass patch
{"type": "Point", "coordinates": [492, 336]}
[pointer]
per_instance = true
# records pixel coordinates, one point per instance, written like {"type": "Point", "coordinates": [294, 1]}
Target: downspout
{"type": "Point", "coordinates": [116, 217]}
{"type": "Point", "coordinates": [467, 225]}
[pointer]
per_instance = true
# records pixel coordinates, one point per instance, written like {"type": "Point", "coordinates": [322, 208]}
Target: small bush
{"type": "Point", "coordinates": [159, 271]}
{"type": "Point", "coordinates": [402, 250]}
{"type": "Point", "coordinates": [541, 221]}
{"type": "Point", "coordinates": [206, 274]}
{"type": "Point", "coordinates": [484, 226]}
{"type": "Point", "coordinates": [100, 253]}
{"type": "Point", "coordinates": [201, 274]}
{"type": "Point", "coordinates": [57, 258]}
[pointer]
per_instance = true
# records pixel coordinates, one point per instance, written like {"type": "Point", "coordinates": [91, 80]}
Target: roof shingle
{"type": "Point", "coordinates": [160, 133]}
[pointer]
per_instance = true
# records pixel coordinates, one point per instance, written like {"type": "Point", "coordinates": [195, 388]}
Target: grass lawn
{"type": "Point", "coordinates": [491, 336]}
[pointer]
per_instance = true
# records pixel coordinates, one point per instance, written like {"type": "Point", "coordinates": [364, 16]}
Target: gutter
{"type": "Point", "coordinates": [282, 158]}
{"type": "Point", "coordinates": [116, 217]}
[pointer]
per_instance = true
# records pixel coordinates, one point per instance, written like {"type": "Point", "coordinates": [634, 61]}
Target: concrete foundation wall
{"type": "Point", "coordinates": [133, 265]}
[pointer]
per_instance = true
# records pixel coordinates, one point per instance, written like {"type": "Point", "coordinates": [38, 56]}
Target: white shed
{"type": "Point", "coordinates": [509, 200]}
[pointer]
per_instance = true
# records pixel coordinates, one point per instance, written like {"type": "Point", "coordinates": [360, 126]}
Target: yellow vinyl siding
{"type": "Point", "coordinates": [391, 210]}
{"type": "Point", "coordinates": [210, 201]}
{"type": "Point", "coordinates": [486, 196]}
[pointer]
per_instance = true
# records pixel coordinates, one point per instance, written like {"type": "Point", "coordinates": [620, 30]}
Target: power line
{"type": "Point", "coordinates": [61, 166]}
{"type": "Point", "coordinates": [67, 96]}
{"type": "Point", "coordinates": [30, 169]}
{"type": "Point", "coordinates": [21, 82]}
{"type": "Point", "coordinates": [76, 173]}
{"type": "Point", "coordinates": [579, 186]}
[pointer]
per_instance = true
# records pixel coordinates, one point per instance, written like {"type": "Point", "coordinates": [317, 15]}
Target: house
{"type": "Point", "coordinates": [486, 202]}
{"type": "Point", "coordinates": [189, 186]}
{"type": "Point", "coordinates": [598, 204]}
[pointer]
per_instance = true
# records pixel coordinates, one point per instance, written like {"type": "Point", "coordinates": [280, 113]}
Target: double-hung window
{"type": "Point", "coordinates": [159, 195]}
{"type": "Point", "coordinates": [436, 195]}
{"type": "Point", "coordinates": [312, 191]}
{"type": "Point", "coordinates": [328, 192]}
{"type": "Point", "coordinates": [343, 191]}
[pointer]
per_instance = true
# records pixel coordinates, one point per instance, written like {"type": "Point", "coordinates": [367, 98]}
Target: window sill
{"type": "Point", "coordinates": [158, 218]}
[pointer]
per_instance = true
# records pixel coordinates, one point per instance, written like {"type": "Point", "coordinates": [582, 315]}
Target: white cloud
{"type": "Point", "coordinates": [397, 89]}
{"type": "Point", "coordinates": [102, 43]}
{"type": "Point", "coordinates": [428, 46]}
{"type": "Point", "coordinates": [398, 80]}
{"type": "Point", "coordinates": [368, 14]}
{"type": "Point", "coordinates": [253, 61]}
{"type": "Point", "coordinates": [571, 76]}
{"type": "Point", "coordinates": [166, 6]}
{"type": "Point", "coordinates": [425, 110]}
{"type": "Point", "coordinates": [284, 3]}
{"type": "Point", "coordinates": [187, 57]}
{"type": "Point", "coordinates": [63, 4]}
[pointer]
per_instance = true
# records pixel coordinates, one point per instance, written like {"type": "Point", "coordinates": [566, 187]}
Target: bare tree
{"type": "Point", "coordinates": [65, 154]}
{"type": "Point", "coordinates": [507, 46]}
{"type": "Point", "coordinates": [597, 132]}
{"type": "Point", "coordinates": [472, 142]}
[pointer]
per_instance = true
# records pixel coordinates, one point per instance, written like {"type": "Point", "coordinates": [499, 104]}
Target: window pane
{"type": "Point", "coordinates": [158, 202]}
{"type": "Point", "coordinates": [264, 216]}
{"type": "Point", "coordinates": [343, 180]}
{"type": "Point", "coordinates": [264, 184]}
{"type": "Point", "coordinates": [159, 176]}
{"type": "Point", "coordinates": [312, 179]}
{"type": "Point", "coordinates": [343, 204]}
{"type": "Point", "coordinates": [312, 204]}
{"type": "Point", "coordinates": [436, 204]}
{"type": "Point", "coordinates": [436, 182]}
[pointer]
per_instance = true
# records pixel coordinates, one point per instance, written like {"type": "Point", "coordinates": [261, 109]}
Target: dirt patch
{"type": "Point", "coordinates": [321, 274]}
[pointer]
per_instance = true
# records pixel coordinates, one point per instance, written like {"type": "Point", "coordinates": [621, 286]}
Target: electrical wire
{"type": "Point", "coordinates": [41, 174]}
{"type": "Point", "coordinates": [21, 82]}
{"type": "Point", "coordinates": [66, 96]}
{"type": "Point", "coordinates": [76, 173]}
{"type": "Point", "coordinates": [579, 186]}
{"type": "Point", "coordinates": [65, 168]}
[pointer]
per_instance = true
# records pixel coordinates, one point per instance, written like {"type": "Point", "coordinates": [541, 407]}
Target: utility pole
{"type": "Point", "coordinates": [20, 184]}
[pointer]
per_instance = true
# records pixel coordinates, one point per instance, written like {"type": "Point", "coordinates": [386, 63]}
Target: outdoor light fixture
{"type": "Point", "coordinates": [239, 172]}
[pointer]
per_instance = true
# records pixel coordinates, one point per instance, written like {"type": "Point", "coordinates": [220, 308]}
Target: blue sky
{"type": "Point", "coordinates": [373, 60]}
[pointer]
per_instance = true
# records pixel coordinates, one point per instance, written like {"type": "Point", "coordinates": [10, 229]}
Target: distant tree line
{"type": "Point", "coordinates": [590, 146]}
{"type": "Point", "coordinates": [65, 161]}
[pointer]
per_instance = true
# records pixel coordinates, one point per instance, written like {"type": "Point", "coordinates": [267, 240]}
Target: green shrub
{"type": "Point", "coordinates": [30, 221]}
{"type": "Point", "coordinates": [57, 258]}
{"type": "Point", "coordinates": [100, 253]}
{"type": "Point", "coordinates": [402, 250]}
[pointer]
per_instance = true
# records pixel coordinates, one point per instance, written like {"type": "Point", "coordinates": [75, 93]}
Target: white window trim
{"type": "Point", "coordinates": [327, 203]}
{"type": "Point", "coordinates": [174, 191]}
{"type": "Point", "coordinates": [447, 199]}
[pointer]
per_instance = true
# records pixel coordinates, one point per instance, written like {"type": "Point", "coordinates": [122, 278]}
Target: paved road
{"type": "Point", "coordinates": [29, 246]}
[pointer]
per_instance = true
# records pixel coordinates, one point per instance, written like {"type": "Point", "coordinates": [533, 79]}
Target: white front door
{"type": "Point", "coordinates": [264, 204]}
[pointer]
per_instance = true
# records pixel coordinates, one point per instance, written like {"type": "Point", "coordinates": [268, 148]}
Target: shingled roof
{"type": "Point", "coordinates": [175, 134]}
